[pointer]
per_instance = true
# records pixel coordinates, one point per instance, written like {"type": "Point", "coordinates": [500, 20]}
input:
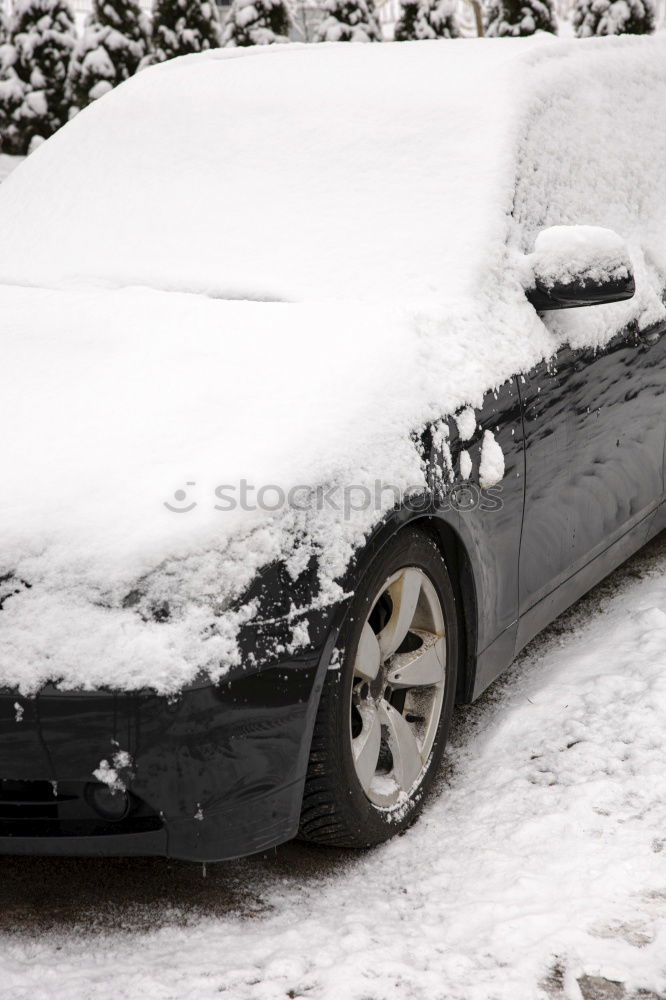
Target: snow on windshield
{"type": "Point", "coordinates": [304, 172]}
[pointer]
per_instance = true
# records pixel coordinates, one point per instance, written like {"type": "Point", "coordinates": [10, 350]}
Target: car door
{"type": "Point", "coordinates": [655, 340]}
{"type": "Point", "coordinates": [489, 521]}
{"type": "Point", "coordinates": [594, 447]}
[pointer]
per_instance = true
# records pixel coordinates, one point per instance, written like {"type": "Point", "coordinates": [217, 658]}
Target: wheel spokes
{"type": "Point", "coordinates": [404, 594]}
{"type": "Point", "coordinates": [366, 746]}
{"type": "Point", "coordinates": [368, 655]}
{"type": "Point", "coordinates": [407, 762]}
{"type": "Point", "coordinates": [397, 697]}
{"type": "Point", "coordinates": [422, 667]}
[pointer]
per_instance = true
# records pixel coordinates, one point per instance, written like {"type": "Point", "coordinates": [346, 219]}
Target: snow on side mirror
{"type": "Point", "coordinates": [579, 266]}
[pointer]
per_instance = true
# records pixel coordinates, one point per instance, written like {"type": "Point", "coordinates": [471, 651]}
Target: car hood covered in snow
{"type": "Point", "coordinates": [272, 267]}
{"type": "Point", "coordinates": [136, 416]}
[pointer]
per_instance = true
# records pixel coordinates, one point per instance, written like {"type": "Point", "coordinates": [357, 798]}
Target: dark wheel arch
{"type": "Point", "coordinates": [459, 565]}
{"type": "Point", "coordinates": [335, 810]}
{"type": "Point", "coordinates": [456, 558]}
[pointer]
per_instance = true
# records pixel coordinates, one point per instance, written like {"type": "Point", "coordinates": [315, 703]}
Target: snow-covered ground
{"type": "Point", "coordinates": [539, 871]}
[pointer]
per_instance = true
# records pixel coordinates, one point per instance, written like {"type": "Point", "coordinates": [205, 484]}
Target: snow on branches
{"type": "Point", "coordinates": [515, 18]}
{"type": "Point", "coordinates": [33, 73]}
{"type": "Point", "coordinates": [183, 26]}
{"type": "Point", "coordinates": [256, 22]}
{"type": "Point", "coordinates": [613, 17]}
{"type": "Point", "coordinates": [114, 42]}
{"type": "Point", "coordinates": [349, 21]}
{"type": "Point", "coordinates": [426, 19]}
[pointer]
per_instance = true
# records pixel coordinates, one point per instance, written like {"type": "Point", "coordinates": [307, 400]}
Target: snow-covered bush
{"type": "Point", "coordinates": [183, 26]}
{"type": "Point", "coordinates": [34, 63]}
{"type": "Point", "coordinates": [256, 22]}
{"type": "Point", "coordinates": [405, 26]}
{"type": "Point", "coordinates": [114, 42]}
{"type": "Point", "coordinates": [514, 18]}
{"type": "Point", "coordinates": [12, 96]}
{"type": "Point", "coordinates": [426, 19]}
{"type": "Point", "coordinates": [613, 17]}
{"type": "Point", "coordinates": [349, 21]}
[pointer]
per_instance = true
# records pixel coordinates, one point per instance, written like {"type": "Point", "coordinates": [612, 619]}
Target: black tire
{"type": "Point", "coordinates": [336, 811]}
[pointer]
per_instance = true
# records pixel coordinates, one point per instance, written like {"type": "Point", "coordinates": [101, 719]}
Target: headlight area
{"type": "Point", "coordinates": [290, 626]}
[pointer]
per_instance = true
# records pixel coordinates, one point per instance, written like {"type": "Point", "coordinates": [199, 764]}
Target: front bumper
{"type": "Point", "coordinates": [214, 774]}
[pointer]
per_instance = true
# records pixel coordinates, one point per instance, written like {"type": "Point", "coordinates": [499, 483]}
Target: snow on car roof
{"type": "Point", "coordinates": [407, 182]}
{"type": "Point", "coordinates": [299, 171]}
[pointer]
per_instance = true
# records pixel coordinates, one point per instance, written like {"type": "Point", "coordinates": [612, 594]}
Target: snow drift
{"type": "Point", "coordinates": [274, 266]}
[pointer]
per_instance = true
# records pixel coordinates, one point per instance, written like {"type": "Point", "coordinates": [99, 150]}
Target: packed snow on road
{"type": "Point", "coordinates": [537, 873]}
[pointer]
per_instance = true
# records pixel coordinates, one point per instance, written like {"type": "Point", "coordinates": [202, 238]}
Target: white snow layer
{"type": "Point", "coordinates": [115, 775]}
{"type": "Point", "coordinates": [541, 860]}
{"type": "Point", "coordinates": [466, 423]}
{"type": "Point", "coordinates": [564, 254]}
{"type": "Point", "coordinates": [491, 465]}
{"type": "Point", "coordinates": [379, 205]}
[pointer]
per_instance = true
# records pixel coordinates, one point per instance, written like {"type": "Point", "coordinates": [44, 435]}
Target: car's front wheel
{"type": "Point", "coordinates": [385, 710]}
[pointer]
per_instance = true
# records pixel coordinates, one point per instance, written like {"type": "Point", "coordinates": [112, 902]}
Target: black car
{"type": "Point", "coordinates": [324, 712]}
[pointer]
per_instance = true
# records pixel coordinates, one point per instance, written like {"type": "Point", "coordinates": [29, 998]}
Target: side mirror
{"type": "Point", "coordinates": [579, 266]}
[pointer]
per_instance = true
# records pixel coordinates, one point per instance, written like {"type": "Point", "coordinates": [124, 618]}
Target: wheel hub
{"type": "Point", "coordinates": [398, 687]}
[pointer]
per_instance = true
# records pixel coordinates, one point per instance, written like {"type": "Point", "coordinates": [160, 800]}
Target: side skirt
{"type": "Point", "coordinates": [493, 660]}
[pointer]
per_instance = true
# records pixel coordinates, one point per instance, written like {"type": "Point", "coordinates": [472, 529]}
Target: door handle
{"type": "Point", "coordinates": [651, 334]}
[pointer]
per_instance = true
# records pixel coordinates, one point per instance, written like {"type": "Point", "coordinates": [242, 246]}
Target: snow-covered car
{"type": "Point", "coordinates": [330, 376]}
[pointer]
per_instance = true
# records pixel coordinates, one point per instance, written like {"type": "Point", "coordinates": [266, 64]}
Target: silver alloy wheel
{"type": "Point", "coordinates": [398, 687]}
